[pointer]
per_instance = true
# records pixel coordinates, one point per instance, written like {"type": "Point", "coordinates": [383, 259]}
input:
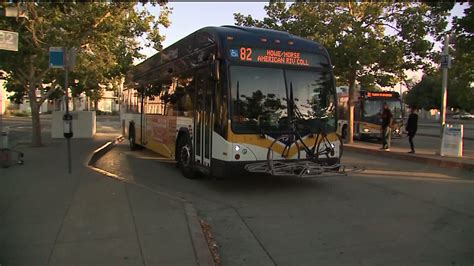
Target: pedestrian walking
{"type": "Point", "coordinates": [386, 127]}
{"type": "Point", "coordinates": [412, 125]}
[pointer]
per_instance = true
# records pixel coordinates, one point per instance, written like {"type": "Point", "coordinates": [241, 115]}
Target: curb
{"type": "Point", "coordinates": [419, 159]}
{"type": "Point", "coordinates": [102, 150]}
{"type": "Point", "coordinates": [201, 247]}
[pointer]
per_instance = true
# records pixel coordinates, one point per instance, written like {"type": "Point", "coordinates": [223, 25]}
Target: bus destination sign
{"type": "Point", "coordinates": [380, 94]}
{"type": "Point", "coordinates": [275, 56]}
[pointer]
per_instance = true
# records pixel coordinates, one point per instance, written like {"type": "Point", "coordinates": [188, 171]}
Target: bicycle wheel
{"type": "Point", "coordinates": [283, 155]}
{"type": "Point", "coordinates": [329, 152]}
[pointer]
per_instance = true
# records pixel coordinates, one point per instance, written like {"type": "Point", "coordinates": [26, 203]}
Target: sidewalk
{"type": "Point", "coordinates": [50, 217]}
{"type": "Point", "coordinates": [427, 156]}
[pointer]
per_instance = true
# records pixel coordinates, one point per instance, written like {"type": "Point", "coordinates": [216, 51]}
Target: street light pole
{"type": "Point", "coordinates": [444, 95]}
{"type": "Point", "coordinates": [67, 116]}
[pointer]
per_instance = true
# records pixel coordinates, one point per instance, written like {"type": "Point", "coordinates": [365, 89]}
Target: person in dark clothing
{"type": "Point", "coordinates": [412, 125]}
{"type": "Point", "coordinates": [386, 127]}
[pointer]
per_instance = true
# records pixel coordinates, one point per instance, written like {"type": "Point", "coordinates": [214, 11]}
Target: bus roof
{"type": "Point", "coordinates": [228, 35]}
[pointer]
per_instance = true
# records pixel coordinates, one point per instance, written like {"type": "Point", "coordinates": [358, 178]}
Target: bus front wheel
{"type": "Point", "coordinates": [184, 158]}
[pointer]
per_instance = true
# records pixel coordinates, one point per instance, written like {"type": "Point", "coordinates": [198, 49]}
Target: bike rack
{"type": "Point", "coordinates": [302, 169]}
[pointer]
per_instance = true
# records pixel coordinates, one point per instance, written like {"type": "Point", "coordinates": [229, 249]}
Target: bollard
{"type": "Point", "coordinates": [4, 137]}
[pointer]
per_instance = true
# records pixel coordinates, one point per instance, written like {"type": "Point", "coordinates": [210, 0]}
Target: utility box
{"type": "Point", "coordinates": [83, 124]}
{"type": "Point", "coordinates": [452, 142]}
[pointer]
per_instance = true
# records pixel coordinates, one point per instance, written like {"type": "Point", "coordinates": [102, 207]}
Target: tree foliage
{"type": "Point", "coordinates": [427, 93]}
{"type": "Point", "coordinates": [370, 43]}
{"type": "Point", "coordinates": [462, 73]}
{"type": "Point", "coordinates": [104, 34]}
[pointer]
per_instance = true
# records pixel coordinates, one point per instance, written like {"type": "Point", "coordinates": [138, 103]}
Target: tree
{"type": "Point", "coordinates": [106, 48]}
{"type": "Point", "coordinates": [462, 74]}
{"type": "Point", "coordinates": [355, 34]}
{"type": "Point", "coordinates": [426, 94]}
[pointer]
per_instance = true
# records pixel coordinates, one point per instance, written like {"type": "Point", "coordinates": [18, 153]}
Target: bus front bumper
{"type": "Point", "coordinates": [226, 169]}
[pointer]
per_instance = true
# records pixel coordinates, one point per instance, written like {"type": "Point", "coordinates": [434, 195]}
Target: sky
{"type": "Point", "coordinates": [188, 17]}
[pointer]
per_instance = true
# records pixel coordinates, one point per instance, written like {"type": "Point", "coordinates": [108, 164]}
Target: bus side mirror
{"type": "Point", "coordinates": [215, 66]}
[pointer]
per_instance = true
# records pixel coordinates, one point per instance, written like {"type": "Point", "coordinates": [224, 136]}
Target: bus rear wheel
{"type": "Point", "coordinates": [184, 158]}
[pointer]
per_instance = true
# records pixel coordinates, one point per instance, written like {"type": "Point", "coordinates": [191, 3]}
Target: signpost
{"type": "Point", "coordinates": [61, 57]}
{"type": "Point", "coordinates": [56, 57]}
{"type": "Point", "coordinates": [8, 40]}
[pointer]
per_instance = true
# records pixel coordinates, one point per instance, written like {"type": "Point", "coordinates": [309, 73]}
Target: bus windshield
{"type": "Point", "coordinates": [373, 108]}
{"type": "Point", "coordinates": [260, 99]}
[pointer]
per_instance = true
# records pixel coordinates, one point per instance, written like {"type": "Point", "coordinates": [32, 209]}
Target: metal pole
{"type": "Point", "coordinates": [444, 88]}
{"type": "Point", "coordinates": [66, 85]}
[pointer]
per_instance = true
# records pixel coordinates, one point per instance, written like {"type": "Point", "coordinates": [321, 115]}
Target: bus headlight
{"type": "Point", "coordinates": [366, 130]}
{"type": "Point", "coordinates": [237, 148]}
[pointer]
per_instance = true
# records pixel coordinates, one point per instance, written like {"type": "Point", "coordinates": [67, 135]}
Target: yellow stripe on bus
{"type": "Point", "coordinates": [257, 140]}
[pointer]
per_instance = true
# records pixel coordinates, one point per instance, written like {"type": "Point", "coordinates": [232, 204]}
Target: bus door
{"type": "Point", "coordinates": [203, 118]}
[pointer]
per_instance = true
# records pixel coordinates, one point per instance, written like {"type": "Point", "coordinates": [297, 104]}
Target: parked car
{"type": "Point", "coordinates": [466, 116]}
{"type": "Point", "coordinates": [463, 115]}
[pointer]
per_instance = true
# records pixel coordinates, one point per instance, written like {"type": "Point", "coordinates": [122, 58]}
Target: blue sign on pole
{"type": "Point", "coordinates": [56, 57]}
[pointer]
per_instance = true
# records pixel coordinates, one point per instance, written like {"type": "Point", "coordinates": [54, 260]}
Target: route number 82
{"type": "Point", "coordinates": [245, 54]}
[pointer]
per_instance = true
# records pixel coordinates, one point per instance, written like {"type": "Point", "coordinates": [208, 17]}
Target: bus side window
{"type": "Point", "coordinates": [184, 95]}
{"type": "Point", "coordinates": [167, 102]}
{"type": "Point", "coordinates": [151, 101]}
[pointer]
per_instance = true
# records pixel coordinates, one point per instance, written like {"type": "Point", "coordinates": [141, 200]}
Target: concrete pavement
{"type": "Point", "coordinates": [50, 217]}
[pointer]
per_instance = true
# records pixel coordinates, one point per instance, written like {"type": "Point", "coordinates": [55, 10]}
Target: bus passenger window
{"type": "Point", "coordinates": [184, 94]}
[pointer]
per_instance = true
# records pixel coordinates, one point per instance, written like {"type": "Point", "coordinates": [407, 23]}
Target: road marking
{"type": "Point", "coordinates": [413, 175]}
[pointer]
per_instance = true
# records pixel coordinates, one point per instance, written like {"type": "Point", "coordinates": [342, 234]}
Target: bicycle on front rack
{"type": "Point", "coordinates": [309, 148]}
{"type": "Point", "coordinates": [316, 153]}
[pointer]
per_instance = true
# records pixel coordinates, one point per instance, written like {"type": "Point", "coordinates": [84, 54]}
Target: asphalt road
{"type": "Point", "coordinates": [393, 213]}
{"type": "Point", "coordinates": [19, 128]}
{"type": "Point", "coordinates": [432, 127]}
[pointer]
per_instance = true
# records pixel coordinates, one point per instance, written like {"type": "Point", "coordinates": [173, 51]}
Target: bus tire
{"type": "Point", "coordinates": [184, 157]}
{"type": "Point", "coordinates": [131, 138]}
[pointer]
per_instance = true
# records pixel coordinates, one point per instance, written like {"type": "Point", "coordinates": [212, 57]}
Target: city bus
{"type": "Point", "coordinates": [367, 113]}
{"type": "Point", "coordinates": [215, 100]}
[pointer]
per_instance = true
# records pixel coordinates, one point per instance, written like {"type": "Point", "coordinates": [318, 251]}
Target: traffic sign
{"type": "Point", "coordinates": [445, 61]}
{"type": "Point", "coordinates": [56, 57]}
{"type": "Point", "coordinates": [8, 40]}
